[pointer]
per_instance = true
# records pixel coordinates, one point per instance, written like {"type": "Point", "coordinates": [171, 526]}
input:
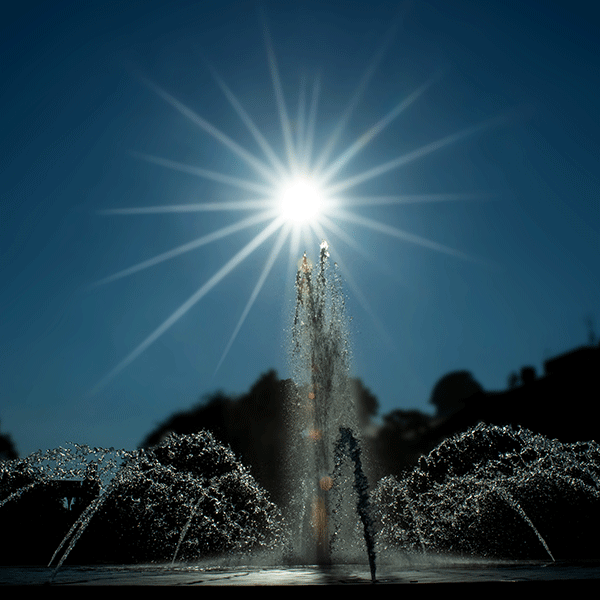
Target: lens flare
{"type": "Point", "coordinates": [297, 190]}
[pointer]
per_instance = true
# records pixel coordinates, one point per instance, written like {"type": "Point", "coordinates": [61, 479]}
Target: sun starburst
{"type": "Point", "coordinates": [301, 200]}
{"type": "Point", "coordinates": [301, 197]}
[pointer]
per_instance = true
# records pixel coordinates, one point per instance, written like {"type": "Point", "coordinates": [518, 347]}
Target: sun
{"type": "Point", "coordinates": [301, 200]}
{"type": "Point", "coordinates": [295, 195]}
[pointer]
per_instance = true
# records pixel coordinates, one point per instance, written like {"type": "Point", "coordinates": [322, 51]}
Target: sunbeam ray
{"type": "Point", "coordinates": [300, 121]}
{"type": "Point", "coordinates": [207, 239]}
{"type": "Point", "coordinates": [305, 158]}
{"type": "Point", "coordinates": [284, 119]}
{"type": "Point", "coordinates": [414, 155]}
{"type": "Point", "coordinates": [414, 199]}
{"type": "Point", "coordinates": [362, 300]}
{"type": "Point", "coordinates": [234, 205]}
{"type": "Point", "coordinates": [293, 254]}
{"type": "Point", "coordinates": [243, 184]}
{"type": "Point", "coordinates": [251, 126]}
{"type": "Point", "coordinates": [342, 235]}
{"type": "Point", "coordinates": [402, 235]}
{"type": "Point", "coordinates": [366, 306]}
{"type": "Point", "coordinates": [192, 300]}
{"type": "Point", "coordinates": [187, 112]}
{"type": "Point", "coordinates": [357, 96]}
{"type": "Point", "coordinates": [283, 234]}
{"type": "Point", "coordinates": [369, 135]}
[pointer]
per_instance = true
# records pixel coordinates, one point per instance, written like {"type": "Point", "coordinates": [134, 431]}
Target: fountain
{"type": "Point", "coordinates": [188, 510]}
{"type": "Point", "coordinates": [188, 497]}
{"type": "Point", "coordinates": [497, 492]}
{"type": "Point", "coordinates": [185, 498]}
{"type": "Point", "coordinates": [327, 476]}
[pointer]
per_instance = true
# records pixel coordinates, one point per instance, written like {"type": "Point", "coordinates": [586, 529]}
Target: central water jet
{"type": "Point", "coordinates": [329, 509]}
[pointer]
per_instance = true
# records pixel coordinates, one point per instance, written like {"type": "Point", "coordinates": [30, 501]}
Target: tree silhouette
{"type": "Point", "coordinates": [254, 425]}
{"type": "Point", "coordinates": [7, 447]}
{"type": "Point", "coordinates": [399, 442]}
{"type": "Point", "coordinates": [451, 391]}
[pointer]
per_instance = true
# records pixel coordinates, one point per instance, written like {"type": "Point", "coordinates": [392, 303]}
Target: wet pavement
{"type": "Point", "coordinates": [192, 575]}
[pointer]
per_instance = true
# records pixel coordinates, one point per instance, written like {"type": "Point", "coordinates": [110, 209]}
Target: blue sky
{"type": "Point", "coordinates": [517, 199]}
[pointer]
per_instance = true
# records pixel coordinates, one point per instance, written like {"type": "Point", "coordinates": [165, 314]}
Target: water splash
{"type": "Point", "coordinates": [498, 492]}
{"type": "Point", "coordinates": [186, 498]}
{"type": "Point", "coordinates": [330, 496]}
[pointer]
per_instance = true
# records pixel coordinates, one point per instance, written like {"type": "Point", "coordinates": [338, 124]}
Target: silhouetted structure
{"type": "Point", "coordinates": [559, 404]}
{"type": "Point", "coordinates": [252, 425]}
{"type": "Point", "coordinates": [399, 442]}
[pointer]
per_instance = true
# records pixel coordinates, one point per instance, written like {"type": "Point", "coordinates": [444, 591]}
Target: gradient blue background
{"type": "Point", "coordinates": [72, 108]}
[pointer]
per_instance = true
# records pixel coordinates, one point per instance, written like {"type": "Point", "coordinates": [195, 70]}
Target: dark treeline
{"type": "Point", "coordinates": [254, 424]}
{"type": "Point", "coordinates": [228, 457]}
{"type": "Point", "coordinates": [559, 403]}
